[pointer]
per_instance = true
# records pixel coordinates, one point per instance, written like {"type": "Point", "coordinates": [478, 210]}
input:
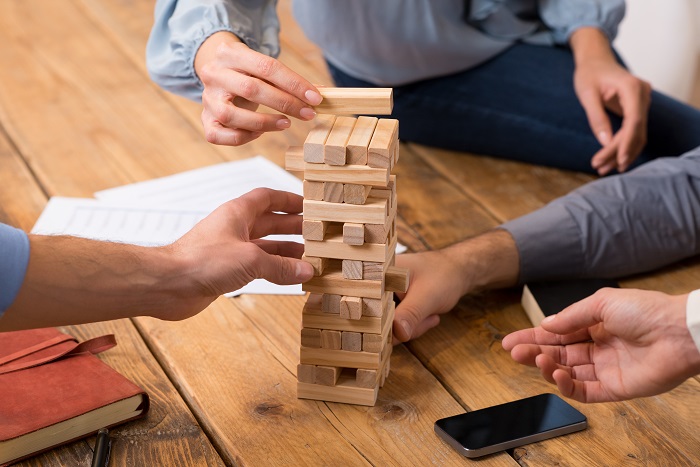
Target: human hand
{"type": "Point", "coordinates": [236, 80]}
{"type": "Point", "coordinates": [435, 288]}
{"type": "Point", "coordinates": [602, 83]}
{"type": "Point", "coordinates": [224, 251]}
{"type": "Point", "coordinates": [617, 344]}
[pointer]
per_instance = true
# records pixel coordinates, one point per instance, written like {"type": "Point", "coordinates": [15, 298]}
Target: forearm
{"type": "Point", "coordinates": [72, 280]}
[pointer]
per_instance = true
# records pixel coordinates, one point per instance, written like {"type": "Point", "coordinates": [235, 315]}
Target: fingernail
{"type": "Point", "coordinates": [304, 270]}
{"type": "Point", "coordinates": [603, 137]}
{"type": "Point", "coordinates": [312, 97]}
{"type": "Point", "coordinates": [548, 319]}
{"type": "Point", "coordinates": [283, 123]}
{"type": "Point", "coordinates": [406, 328]}
{"type": "Point", "coordinates": [307, 113]}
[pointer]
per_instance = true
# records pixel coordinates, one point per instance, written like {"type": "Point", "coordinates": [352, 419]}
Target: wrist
{"type": "Point", "coordinates": [692, 322]}
{"type": "Point", "coordinates": [590, 44]}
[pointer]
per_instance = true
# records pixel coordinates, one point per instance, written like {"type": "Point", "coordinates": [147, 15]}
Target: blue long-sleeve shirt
{"type": "Point", "coordinates": [386, 43]}
{"type": "Point", "coordinates": [14, 258]}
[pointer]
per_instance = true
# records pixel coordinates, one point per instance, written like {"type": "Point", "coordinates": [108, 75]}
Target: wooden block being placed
{"type": "Point", "coordinates": [313, 190]}
{"type": "Point", "coordinates": [327, 375]}
{"type": "Point", "coordinates": [311, 338]}
{"type": "Point", "coordinates": [331, 340]}
{"type": "Point", "coordinates": [319, 264]}
{"type": "Point", "coordinates": [366, 378]}
{"type": "Point", "coordinates": [384, 140]}
{"type": "Point", "coordinates": [352, 341]}
{"type": "Point", "coordinates": [333, 192]}
{"type": "Point", "coordinates": [330, 303]}
{"type": "Point", "coordinates": [397, 279]}
{"type": "Point", "coordinates": [353, 234]}
{"type": "Point", "coordinates": [373, 212]}
{"type": "Point", "coordinates": [334, 151]}
{"type": "Point", "coordinates": [313, 230]}
{"type": "Point", "coordinates": [356, 194]}
{"type": "Point", "coordinates": [316, 139]}
{"type": "Point", "coordinates": [306, 373]}
{"type": "Point", "coordinates": [353, 269]}
{"type": "Point", "coordinates": [351, 307]}
{"type": "Point", "coordinates": [356, 101]}
{"type": "Point", "coordinates": [372, 342]}
{"type": "Point", "coordinates": [359, 140]}
{"type": "Point", "coordinates": [372, 271]}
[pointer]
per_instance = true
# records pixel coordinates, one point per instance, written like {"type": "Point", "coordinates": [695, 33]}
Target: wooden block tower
{"type": "Point", "coordinates": [349, 234]}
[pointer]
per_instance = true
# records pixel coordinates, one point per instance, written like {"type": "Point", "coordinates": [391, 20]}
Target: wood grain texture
{"type": "Point", "coordinates": [359, 140]}
{"type": "Point", "coordinates": [335, 149]}
{"type": "Point", "coordinates": [353, 101]}
{"type": "Point", "coordinates": [315, 141]}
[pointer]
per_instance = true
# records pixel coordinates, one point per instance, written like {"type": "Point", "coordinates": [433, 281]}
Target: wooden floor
{"type": "Point", "coordinates": [79, 114]}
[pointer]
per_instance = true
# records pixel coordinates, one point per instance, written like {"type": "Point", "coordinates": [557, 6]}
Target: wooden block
{"type": "Point", "coordinates": [345, 391]}
{"type": "Point", "coordinates": [313, 190]}
{"type": "Point", "coordinates": [372, 342]}
{"type": "Point", "coordinates": [311, 338]}
{"type": "Point", "coordinates": [358, 174]}
{"type": "Point", "coordinates": [314, 317]}
{"type": "Point", "coordinates": [353, 269]}
{"type": "Point", "coordinates": [316, 139]}
{"type": "Point", "coordinates": [330, 303]}
{"type": "Point", "coordinates": [356, 194]}
{"type": "Point", "coordinates": [356, 101]}
{"type": "Point", "coordinates": [376, 233]}
{"type": "Point", "coordinates": [372, 271]}
{"type": "Point", "coordinates": [352, 341]}
{"type": "Point", "coordinates": [332, 281]}
{"type": "Point", "coordinates": [327, 375]}
{"type": "Point", "coordinates": [359, 140]}
{"type": "Point", "coordinates": [294, 159]}
{"type": "Point", "coordinates": [351, 308]}
{"type": "Point", "coordinates": [342, 358]}
{"type": "Point", "coordinates": [353, 234]}
{"type": "Point", "coordinates": [333, 247]}
{"type": "Point", "coordinates": [377, 307]}
{"type": "Point", "coordinates": [333, 192]}
{"type": "Point", "coordinates": [388, 192]}
{"type": "Point", "coordinates": [334, 151]}
{"type": "Point", "coordinates": [382, 146]}
{"type": "Point", "coordinates": [366, 378]}
{"type": "Point", "coordinates": [330, 339]}
{"type": "Point", "coordinates": [373, 212]}
{"type": "Point", "coordinates": [313, 230]}
{"type": "Point", "coordinates": [306, 373]}
{"type": "Point", "coordinates": [397, 279]}
{"type": "Point", "coordinates": [319, 264]}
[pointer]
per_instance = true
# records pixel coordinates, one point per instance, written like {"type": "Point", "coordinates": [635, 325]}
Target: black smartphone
{"type": "Point", "coordinates": [509, 425]}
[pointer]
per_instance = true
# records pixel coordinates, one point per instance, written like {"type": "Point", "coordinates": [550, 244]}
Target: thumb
{"type": "Point", "coordinates": [580, 315]}
{"type": "Point", "coordinates": [411, 315]}
{"type": "Point", "coordinates": [282, 270]}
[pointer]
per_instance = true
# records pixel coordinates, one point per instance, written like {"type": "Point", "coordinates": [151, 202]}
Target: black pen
{"type": "Point", "coordinates": [103, 446]}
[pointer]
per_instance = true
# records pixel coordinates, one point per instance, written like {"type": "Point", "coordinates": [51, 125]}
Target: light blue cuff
{"type": "Point", "coordinates": [563, 17]}
{"type": "Point", "coordinates": [14, 258]}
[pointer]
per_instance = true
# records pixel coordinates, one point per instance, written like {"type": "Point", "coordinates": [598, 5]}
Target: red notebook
{"type": "Point", "coordinates": [54, 390]}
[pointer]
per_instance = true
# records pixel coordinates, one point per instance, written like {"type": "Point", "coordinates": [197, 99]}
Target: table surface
{"type": "Point", "coordinates": [79, 114]}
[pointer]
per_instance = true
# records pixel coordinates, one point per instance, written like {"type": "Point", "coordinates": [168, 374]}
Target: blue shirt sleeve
{"type": "Point", "coordinates": [181, 26]}
{"type": "Point", "coordinates": [615, 226]}
{"type": "Point", "coordinates": [563, 17]}
{"type": "Point", "coordinates": [14, 258]}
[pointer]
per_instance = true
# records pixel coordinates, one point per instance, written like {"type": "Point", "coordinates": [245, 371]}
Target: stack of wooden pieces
{"type": "Point", "coordinates": [349, 235]}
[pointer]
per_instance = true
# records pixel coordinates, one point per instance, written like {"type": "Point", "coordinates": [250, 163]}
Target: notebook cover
{"type": "Point", "coordinates": [53, 392]}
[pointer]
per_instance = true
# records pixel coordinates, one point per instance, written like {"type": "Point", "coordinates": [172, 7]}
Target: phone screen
{"type": "Point", "coordinates": [510, 425]}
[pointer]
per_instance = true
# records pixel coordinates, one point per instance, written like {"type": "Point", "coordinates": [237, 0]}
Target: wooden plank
{"type": "Point", "coordinates": [313, 230]}
{"type": "Point", "coordinates": [377, 307]}
{"type": "Point", "coordinates": [334, 247]}
{"type": "Point", "coordinates": [356, 194]}
{"type": "Point", "coordinates": [306, 373]}
{"type": "Point", "coordinates": [381, 151]}
{"type": "Point", "coordinates": [352, 101]}
{"type": "Point", "coordinates": [332, 281]}
{"type": "Point", "coordinates": [311, 337]}
{"type": "Point", "coordinates": [313, 316]}
{"type": "Point", "coordinates": [374, 212]}
{"type": "Point", "coordinates": [396, 279]}
{"type": "Point", "coordinates": [358, 174]}
{"type": "Point", "coordinates": [319, 264]}
{"type": "Point", "coordinates": [334, 151]}
{"type": "Point", "coordinates": [329, 303]}
{"type": "Point", "coordinates": [359, 140]}
{"type": "Point", "coordinates": [352, 269]}
{"type": "Point", "coordinates": [327, 375]}
{"type": "Point", "coordinates": [316, 139]}
{"type": "Point", "coordinates": [353, 234]}
{"type": "Point", "coordinates": [330, 340]}
{"type": "Point", "coordinates": [333, 192]}
{"type": "Point", "coordinates": [313, 190]}
{"type": "Point", "coordinates": [345, 391]}
{"type": "Point", "coordinates": [351, 308]}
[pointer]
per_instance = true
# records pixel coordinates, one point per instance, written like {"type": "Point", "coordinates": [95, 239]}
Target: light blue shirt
{"type": "Point", "coordinates": [384, 42]}
{"type": "Point", "coordinates": [14, 258]}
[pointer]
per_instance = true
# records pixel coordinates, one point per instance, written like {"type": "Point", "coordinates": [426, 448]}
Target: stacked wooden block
{"type": "Point", "coordinates": [350, 238]}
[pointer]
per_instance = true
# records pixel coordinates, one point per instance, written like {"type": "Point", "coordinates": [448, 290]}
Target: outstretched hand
{"type": "Point", "coordinates": [617, 344]}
